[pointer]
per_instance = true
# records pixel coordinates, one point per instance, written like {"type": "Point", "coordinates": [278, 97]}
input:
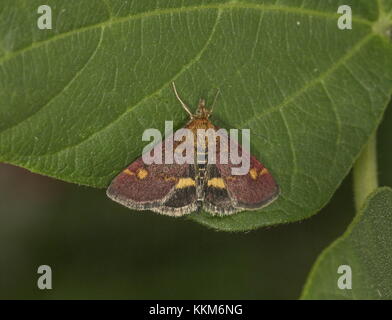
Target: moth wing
{"type": "Point", "coordinates": [168, 189]}
{"type": "Point", "coordinates": [217, 199]}
{"type": "Point", "coordinates": [227, 193]}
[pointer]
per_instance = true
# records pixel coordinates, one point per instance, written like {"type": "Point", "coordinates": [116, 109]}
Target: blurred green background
{"type": "Point", "coordinates": [98, 249]}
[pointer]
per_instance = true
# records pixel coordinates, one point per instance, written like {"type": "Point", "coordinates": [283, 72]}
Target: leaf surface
{"type": "Point", "coordinates": [366, 248]}
{"type": "Point", "coordinates": [75, 100]}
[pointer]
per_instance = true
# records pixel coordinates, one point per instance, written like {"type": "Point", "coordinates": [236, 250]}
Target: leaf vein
{"type": "Point", "coordinates": [75, 76]}
{"type": "Point", "coordinates": [159, 12]}
{"type": "Point", "coordinates": [164, 86]}
{"type": "Point", "coordinates": [312, 83]}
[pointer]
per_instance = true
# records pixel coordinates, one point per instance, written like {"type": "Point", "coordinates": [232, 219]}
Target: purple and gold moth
{"type": "Point", "coordinates": [178, 189]}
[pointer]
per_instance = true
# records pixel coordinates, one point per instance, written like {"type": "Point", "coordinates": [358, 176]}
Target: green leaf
{"type": "Point", "coordinates": [366, 248]}
{"type": "Point", "coordinates": [75, 100]}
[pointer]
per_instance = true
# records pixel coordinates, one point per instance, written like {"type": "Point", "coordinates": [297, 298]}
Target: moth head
{"type": "Point", "coordinates": [202, 111]}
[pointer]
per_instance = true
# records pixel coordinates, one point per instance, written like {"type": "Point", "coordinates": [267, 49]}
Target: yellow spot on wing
{"type": "Point", "coordinates": [253, 173]}
{"type": "Point", "coordinates": [264, 171]}
{"type": "Point", "coordinates": [141, 173]}
{"type": "Point", "coordinates": [185, 182]}
{"type": "Point", "coordinates": [128, 172]}
{"type": "Point", "coordinates": [217, 183]}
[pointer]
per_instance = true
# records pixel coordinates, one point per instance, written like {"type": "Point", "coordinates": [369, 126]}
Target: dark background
{"type": "Point", "coordinates": [98, 249]}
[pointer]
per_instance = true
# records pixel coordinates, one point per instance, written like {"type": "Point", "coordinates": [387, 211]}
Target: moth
{"type": "Point", "coordinates": [179, 189]}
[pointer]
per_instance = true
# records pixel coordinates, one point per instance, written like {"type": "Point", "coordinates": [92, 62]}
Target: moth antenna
{"type": "Point", "coordinates": [182, 102]}
{"type": "Point", "coordinates": [213, 103]}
